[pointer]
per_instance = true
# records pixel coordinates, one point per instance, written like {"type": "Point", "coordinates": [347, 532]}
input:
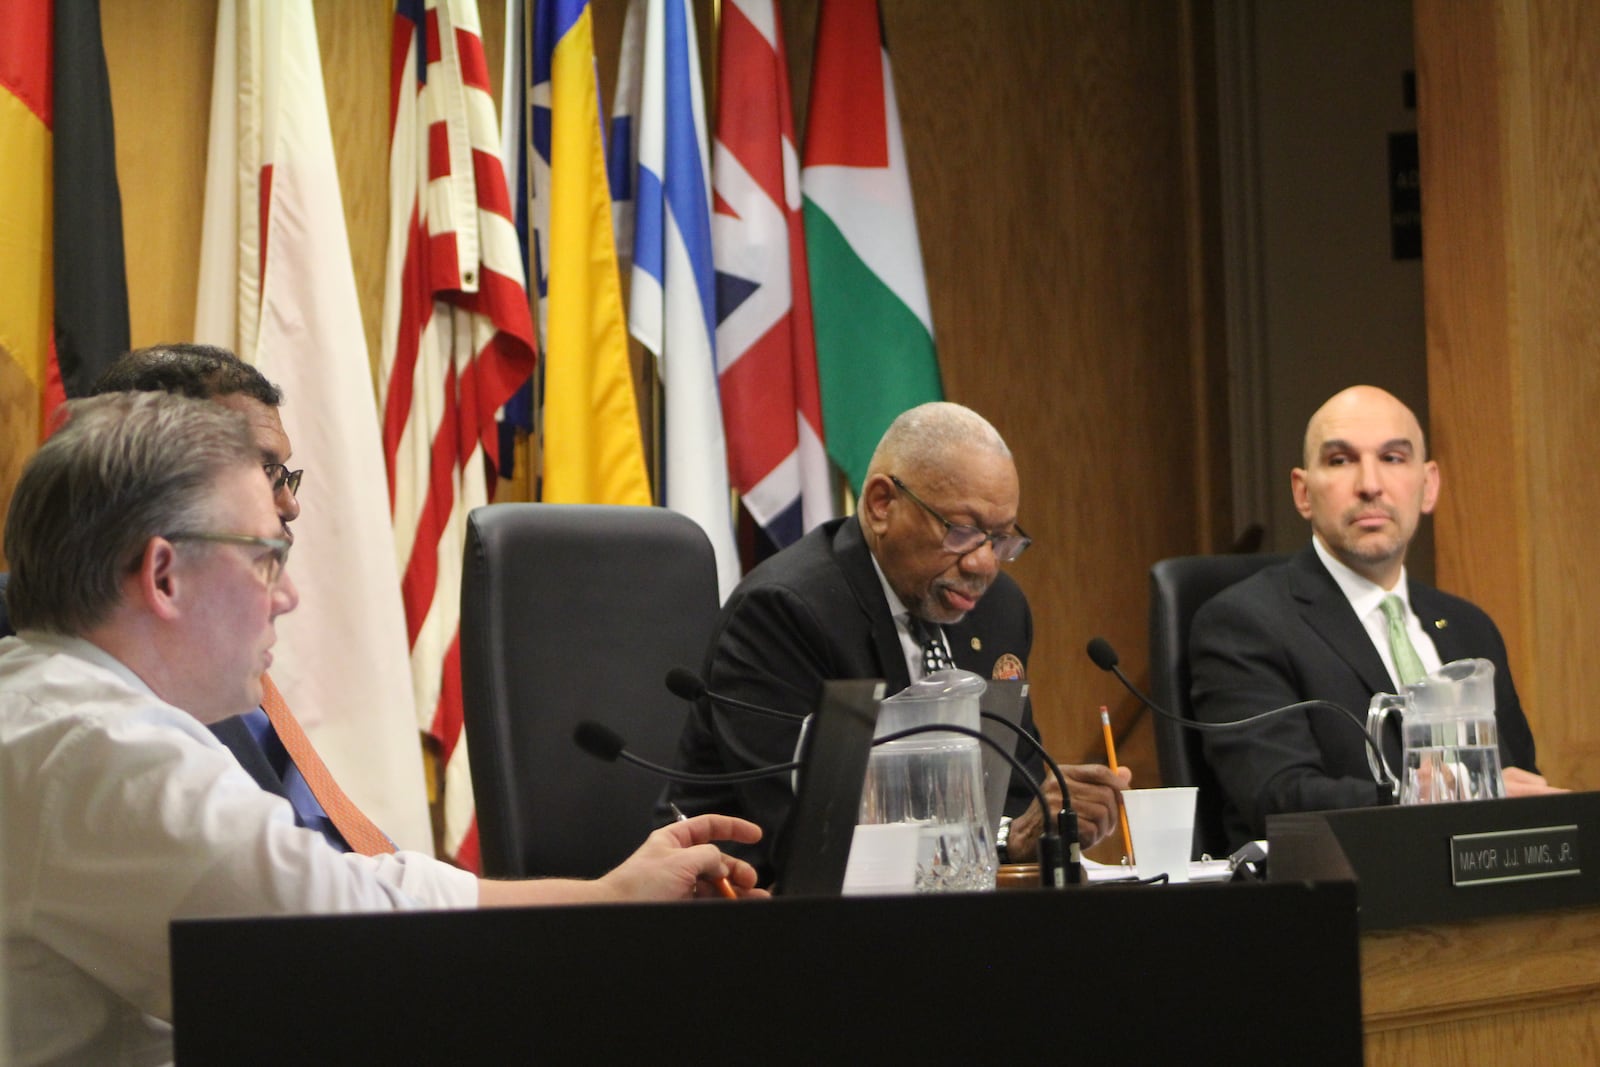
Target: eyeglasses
{"type": "Point", "coordinates": [961, 539]}
{"type": "Point", "coordinates": [282, 476]}
{"type": "Point", "coordinates": [275, 559]}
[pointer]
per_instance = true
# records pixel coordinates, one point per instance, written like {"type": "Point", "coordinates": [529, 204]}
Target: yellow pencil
{"type": "Point", "coordinates": [1111, 755]}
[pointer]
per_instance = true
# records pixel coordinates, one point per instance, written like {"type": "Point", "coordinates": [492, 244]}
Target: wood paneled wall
{"type": "Point", "coordinates": [1509, 117]}
{"type": "Point", "coordinates": [1059, 203]}
{"type": "Point", "coordinates": [1053, 153]}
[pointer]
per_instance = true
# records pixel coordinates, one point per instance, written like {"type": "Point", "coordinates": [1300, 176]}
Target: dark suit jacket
{"type": "Point", "coordinates": [1288, 634]}
{"type": "Point", "coordinates": [816, 612]}
{"type": "Point", "coordinates": [233, 733]}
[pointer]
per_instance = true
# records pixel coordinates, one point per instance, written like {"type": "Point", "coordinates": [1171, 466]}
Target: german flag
{"type": "Point", "coordinates": [63, 282]}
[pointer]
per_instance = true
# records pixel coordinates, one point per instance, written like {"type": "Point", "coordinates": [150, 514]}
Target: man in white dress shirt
{"type": "Point", "coordinates": [147, 567]}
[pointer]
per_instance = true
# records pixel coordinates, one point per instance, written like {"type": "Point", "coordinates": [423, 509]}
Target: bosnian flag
{"type": "Point", "coordinates": [766, 353]}
{"type": "Point", "coordinates": [869, 300]}
{"type": "Point", "coordinates": [671, 309]}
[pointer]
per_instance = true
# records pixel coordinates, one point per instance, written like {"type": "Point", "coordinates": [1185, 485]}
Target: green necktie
{"type": "Point", "coordinates": [1407, 664]}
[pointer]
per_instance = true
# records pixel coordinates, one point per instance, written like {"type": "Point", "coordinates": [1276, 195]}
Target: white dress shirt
{"type": "Point", "coordinates": [910, 647]}
{"type": "Point", "coordinates": [1366, 599]}
{"type": "Point", "coordinates": [121, 813]}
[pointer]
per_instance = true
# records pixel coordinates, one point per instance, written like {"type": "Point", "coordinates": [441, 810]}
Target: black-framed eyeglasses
{"type": "Point", "coordinates": [281, 476]}
{"type": "Point", "coordinates": [960, 539]}
{"type": "Point", "coordinates": [274, 559]}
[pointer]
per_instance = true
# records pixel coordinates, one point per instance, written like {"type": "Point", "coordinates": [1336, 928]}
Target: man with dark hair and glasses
{"type": "Point", "coordinates": [147, 577]}
{"type": "Point", "coordinates": [913, 580]}
{"type": "Point", "coordinates": [206, 372]}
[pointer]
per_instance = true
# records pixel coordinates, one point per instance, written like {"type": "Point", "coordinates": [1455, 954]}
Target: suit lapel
{"type": "Point", "coordinates": [1431, 609]}
{"type": "Point", "coordinates": [967, 655]}
{"type": "Point", "coordinates": [1325, 610]}
{"type": "Point", "coordinates": [855, 561]}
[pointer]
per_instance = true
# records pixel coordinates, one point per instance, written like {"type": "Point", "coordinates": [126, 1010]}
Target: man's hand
{"type": "Point", "coordinates": [678, 861]}
{"type": "Point", "coordinates": [1521, 783]}
{"type": "Point", "coordinates": [1092, 791]}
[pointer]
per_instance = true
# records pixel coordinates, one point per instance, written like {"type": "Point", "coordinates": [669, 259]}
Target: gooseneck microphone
{"type": "Point", "coordinates": [604, 743]}
{"type": "Point", "coordinates": [1105, 657]}
{"type": "Point", "coordinates": [1066, 818]}
{"type": "Point", "coordinates": [687, 685]}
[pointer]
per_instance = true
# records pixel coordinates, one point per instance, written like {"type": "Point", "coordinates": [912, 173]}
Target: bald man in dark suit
{"type": "Point", "coordinates": [1315, 627]}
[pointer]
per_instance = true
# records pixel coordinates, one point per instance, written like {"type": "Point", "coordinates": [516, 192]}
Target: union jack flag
{"type": "Point", "coordinates": [771, 407]}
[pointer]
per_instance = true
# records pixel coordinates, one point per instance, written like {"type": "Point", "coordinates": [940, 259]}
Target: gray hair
{"type": "Point", "coordinates": [124, 468]}
{"type": "Point", "coordinates": [923, 440]}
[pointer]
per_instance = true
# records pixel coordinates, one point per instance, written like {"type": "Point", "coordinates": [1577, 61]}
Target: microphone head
{"type": "Point", "coordinates": [601, 742]}
{"type": "Point", "coordinates": [685, 684]}
{"type": "Point", "coordinates": [1104, 656]}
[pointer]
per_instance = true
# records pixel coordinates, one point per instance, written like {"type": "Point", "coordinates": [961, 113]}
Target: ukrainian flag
{"type": "Point", "coordinates": [593, 452]}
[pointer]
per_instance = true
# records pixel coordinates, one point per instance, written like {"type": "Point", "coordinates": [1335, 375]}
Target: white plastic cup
{"type": "Point", "coordinates": [1161, 822]}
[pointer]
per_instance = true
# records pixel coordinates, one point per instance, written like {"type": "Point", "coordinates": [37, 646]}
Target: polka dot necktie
{"type": "Point", "coordinates": [934, 655]}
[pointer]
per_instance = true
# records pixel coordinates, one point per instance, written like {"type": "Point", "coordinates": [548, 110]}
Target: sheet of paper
{"type": "Point", "coordinates": [883, 859]}
{"type": "Point", "coordinates": [1199, 871]}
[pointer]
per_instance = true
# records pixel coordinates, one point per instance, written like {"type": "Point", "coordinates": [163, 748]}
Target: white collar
{"type": "Point", "coordinates": [897, 608]}
{"type": "Point", "coordinates": [89, 652]}
{"type": "Point", "coordinates": [1364, 595]}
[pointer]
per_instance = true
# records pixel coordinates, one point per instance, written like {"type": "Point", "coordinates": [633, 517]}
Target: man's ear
{"type": "Point", "coordinates": [1302, 495]}
{"type": "Point", "coordinates": [157, 581]}
{"type": "Point", "coordinates": [1430, 486]}
{"type": "Point", "coordinates": [876, 496]}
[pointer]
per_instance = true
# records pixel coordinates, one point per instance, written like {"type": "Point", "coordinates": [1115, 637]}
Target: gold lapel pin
{"type": "Point", "coordinates": [977, 644]}
{"type": "Point", "coordinates": [1439, 624]}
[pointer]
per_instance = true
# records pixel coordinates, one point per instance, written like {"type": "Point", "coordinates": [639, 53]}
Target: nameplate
{"type": "Point", "coordinates": [1514, 855]}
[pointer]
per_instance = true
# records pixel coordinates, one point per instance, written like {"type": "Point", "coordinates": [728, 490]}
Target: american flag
{"type": "Point", "coordinates": [457, 343]}
{"type": "Point", "coordinates": [767, 356]}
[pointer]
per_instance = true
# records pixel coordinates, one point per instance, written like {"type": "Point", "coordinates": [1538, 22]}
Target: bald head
{"type": "Point", "coordinates": [925, 442]}
{"type": "Point", "coordinates": [1367, 481]}
{"type": "Point", "coordinates": [1359, 402]}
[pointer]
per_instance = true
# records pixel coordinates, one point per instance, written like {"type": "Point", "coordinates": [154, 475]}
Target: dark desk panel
{"type": "Point", "coordinates": [1402, 856]}
{"type": "Point", "coordinates": [1260, 973]}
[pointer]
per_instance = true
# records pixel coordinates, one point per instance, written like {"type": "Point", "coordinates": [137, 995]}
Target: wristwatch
{"type": "Point", "coordinates": [1002, 837]}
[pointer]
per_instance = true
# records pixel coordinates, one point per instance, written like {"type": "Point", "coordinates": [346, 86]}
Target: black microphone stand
{"type": "Point", "coordinates": [1071, 860]}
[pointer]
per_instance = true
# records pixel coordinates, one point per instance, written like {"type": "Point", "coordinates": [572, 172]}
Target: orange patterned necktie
{"type": "Point", "coordinates": [358, 830]}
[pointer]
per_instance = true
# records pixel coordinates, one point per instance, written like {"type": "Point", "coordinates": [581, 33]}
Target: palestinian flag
{"type": "Point", "coordinates": [874, 330]}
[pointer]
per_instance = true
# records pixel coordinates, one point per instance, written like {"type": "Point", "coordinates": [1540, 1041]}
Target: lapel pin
{"type": "Point", "coordinates": [977, 644]}
{"type": "Point", "coordinates": [1439, 624]}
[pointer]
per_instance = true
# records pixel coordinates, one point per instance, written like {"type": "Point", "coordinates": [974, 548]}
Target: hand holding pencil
{"type": "Point", "coordinates": [1111, 761]}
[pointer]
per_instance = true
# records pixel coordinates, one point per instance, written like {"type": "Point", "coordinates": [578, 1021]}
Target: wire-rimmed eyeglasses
{"type": "Point", "coordinates": [271, 562]}
{"type": "Point", "coordinates": [960, 538]}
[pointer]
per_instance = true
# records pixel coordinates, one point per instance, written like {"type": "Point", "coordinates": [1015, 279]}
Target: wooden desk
{"type": "Point", "coordinates": [1510, 989]}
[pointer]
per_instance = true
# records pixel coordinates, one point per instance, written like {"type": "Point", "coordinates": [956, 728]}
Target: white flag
{"type": "Point", "coordinates": [277, 286]}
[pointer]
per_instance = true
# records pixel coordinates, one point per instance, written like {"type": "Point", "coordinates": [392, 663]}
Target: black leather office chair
{"type": "Point", "coordinates": [1178, 587]}
{"type": "Point", "coordinates": [573, 612]}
